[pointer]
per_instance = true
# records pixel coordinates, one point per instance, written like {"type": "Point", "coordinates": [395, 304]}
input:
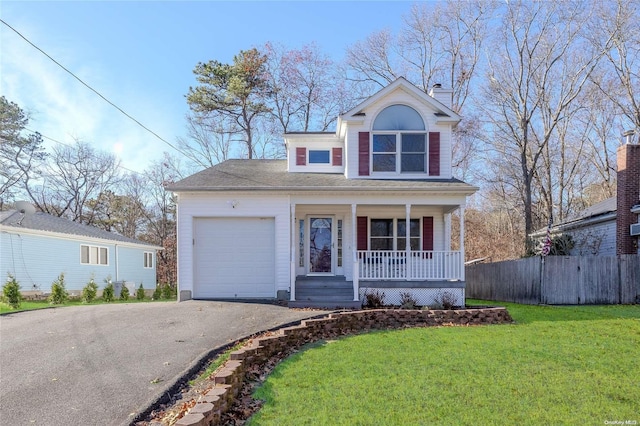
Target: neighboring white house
{"type": "Point", "coordinates": [36, 248]}
{"type": "Point", "coordinates": [610, 227]}
{"type": "Point", "coordinates": [592, 231]}
{"type": "Point", "coordinates": [329, 223]}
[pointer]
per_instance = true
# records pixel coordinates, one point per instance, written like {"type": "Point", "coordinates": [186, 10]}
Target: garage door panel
{"type": "Point", "coordinates": [234, 257]}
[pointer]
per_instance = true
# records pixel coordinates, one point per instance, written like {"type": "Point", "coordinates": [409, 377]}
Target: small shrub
{"type": "Point", "coordinates": [167, 292]}
{"type": "Point", "coordinates": [407, 301]}
{"type": "Point", "coordinates": [374, 299]}
{"type": "Point", "coordinates": [124, 292]}
{"type": "Point", "coordinates": [90, 291]}
{"type": "Point", "coordinates": [140, 293]}
{"type": "Point", "coordinates": [446, 300]}
{"type": "Point", "coordinates": [59, 293]}
{"type": "Point", "coordinates": [11, 292]}
{"type": "Point", "coordinates": [157, 293]}
{"type": "Point", "coordinates": [108, 292]}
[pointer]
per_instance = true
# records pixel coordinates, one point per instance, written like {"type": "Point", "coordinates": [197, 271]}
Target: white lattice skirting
{"type": "Point", "coordinates": [431, 297]}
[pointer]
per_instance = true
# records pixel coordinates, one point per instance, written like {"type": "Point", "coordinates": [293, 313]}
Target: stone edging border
{"type": "Point", "coordinates": [228, 380]}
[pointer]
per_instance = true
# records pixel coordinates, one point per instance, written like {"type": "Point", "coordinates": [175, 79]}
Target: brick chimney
{"type": "Point", "coordinates": [628, 196]}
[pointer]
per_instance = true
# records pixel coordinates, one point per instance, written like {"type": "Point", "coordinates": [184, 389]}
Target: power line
{"type": "Point", "coordinates": [94, 90]}
{"type": "Point", "coordinates": [70, 146]}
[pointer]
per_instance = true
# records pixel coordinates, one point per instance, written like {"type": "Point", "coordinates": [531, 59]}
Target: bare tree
{"type": "Point", "coordinates": [307, 92]}
{"type": "Point", "coordinates": [617, 33]}
{"type": "Point", "coordinates": [210, 140]}
{"type": "Point", "coordinates": [73, 176]}
{"type": "Point", "coordinates": [540, 65]}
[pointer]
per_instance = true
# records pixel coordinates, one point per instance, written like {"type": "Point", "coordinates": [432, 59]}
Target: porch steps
{"type": "Point", "coordinates": [324, 292]}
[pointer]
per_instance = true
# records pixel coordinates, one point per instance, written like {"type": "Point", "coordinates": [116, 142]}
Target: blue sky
{"type": "Point", "coordinates": [140, 55]}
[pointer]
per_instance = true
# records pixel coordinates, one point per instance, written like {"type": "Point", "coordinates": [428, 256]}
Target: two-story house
{"type": "Point", "coordinates": [365, 208]}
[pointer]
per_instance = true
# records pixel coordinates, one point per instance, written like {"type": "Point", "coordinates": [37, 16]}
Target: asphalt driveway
{"type": "Point", "coordinates": [102, 365]}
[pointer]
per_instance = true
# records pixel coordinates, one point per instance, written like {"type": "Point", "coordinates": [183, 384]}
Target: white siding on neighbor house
{"type": "Point", "coordinates": [594, 240]}
{"type": "Point", "coordinates": [399, 96]}
{"type": "Point", "coordinates": [194, 205]}
{"type": "Point", "coordinates": [37, 260]}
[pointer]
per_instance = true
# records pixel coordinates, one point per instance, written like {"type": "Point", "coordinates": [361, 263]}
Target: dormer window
{"type": "Point", "coordinates": [399, 142]}
{"type": "Point", "coordinates": [319, 156]}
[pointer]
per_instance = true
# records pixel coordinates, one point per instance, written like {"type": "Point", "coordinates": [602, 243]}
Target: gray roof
{"type": "Point", "coordinates": [272, 175]}
{"type": "Point", "coordinates": [45, 222]}
{"type": "Point", "coordinates": [606, 206]}
{"type": "Point", "coordinates": [598, 211]}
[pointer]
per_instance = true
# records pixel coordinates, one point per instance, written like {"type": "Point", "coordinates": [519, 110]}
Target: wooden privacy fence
{"type": "Point", "coordinates": [557, 280]}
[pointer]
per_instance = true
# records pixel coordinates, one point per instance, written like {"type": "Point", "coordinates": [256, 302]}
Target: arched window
{"type": "Point", "coordinates": [399, 141]}
{"type": "Point", "coordinates": [398, 117]}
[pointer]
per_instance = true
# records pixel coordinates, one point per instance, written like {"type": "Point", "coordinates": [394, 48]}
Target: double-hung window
{"type": "Point", "coordinates": [148, 259]}
{"type": "Point", "coordinates": [399, 142]}
{"type": "Point", "coordinates": [390, 234]}
{"type": "Point", "coordinates": [94, 255]}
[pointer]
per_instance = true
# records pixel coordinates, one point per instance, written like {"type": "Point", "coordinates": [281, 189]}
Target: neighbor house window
{"type": "Point", "coordinates": [148, 259]}
{"type": "Point", "coordinates": [319, 157]}
{"type": "Point", "coordinates": [390, 234]}
{"type": "Point", "coordinates": [399, 141]}
{"type": "Point", "coordinates": [94, 255]}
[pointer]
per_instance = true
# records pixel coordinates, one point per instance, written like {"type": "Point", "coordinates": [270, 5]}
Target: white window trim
{"type": "Point", "coordinates": [93, 260]}
{"type": "Point", "coordinates": [148, 259]}
{"type": "Point", "coordinates": [395, 235]}
{"type": "Point", "coordinates": [398, 152]}
{"type": "Point", "coordinates": [327, 150]}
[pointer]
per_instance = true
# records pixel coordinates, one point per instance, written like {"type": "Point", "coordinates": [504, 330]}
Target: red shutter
{"type": "Point", "coordinates": [301, 156]}
{"type": "Point", "coordinates": [427, 233]}
{"type": "Point", "coordinates": [363, 154]}
{"type": "Point", "coordinates": [336, 153]}
{"type": "Point", "coordinates": [362, 231]}
{"type": "Point", "coordinates": [434, 153]}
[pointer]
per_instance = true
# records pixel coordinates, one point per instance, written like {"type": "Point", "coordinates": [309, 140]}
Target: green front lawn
{"type": "Point", "coordinates": [555, 365]}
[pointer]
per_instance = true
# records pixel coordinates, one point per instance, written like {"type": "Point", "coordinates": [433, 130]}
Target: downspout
{"type": "Point", "coordinates": [117, 263]}
{"type": "Point", "coordinates": [462, 253]}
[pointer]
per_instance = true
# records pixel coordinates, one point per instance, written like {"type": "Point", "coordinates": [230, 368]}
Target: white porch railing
{"type": "Point", "coordinates": [419, 265]}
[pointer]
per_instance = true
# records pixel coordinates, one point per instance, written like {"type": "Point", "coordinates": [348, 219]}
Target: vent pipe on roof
{"type": "Point", "coordinates": [628, 136]}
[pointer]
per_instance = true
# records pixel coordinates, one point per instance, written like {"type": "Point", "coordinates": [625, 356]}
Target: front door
{"type": "Point", "coordinates": [321, 245]}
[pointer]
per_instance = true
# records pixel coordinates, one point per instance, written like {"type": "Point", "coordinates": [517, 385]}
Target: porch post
{"type": "Point", "coordinates": [292, 264]}
{"type": "Point", "coordinates": [461, 243]}
{"type": "Point", "coordinates": [447, 231]}
{"type": "Point", "coordinates": [407, 248]}
{"type": "Point", "coordinates": [354, 246]}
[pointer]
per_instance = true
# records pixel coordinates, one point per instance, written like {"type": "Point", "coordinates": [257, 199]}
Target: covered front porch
{"type": "Point", "coordinates": [341, 251]}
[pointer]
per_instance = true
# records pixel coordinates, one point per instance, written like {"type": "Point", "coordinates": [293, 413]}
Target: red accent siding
{"type": "Point", "coordinates": [363, 154]}
{"type": "Point", "coordinates": [336, 154]}
{"type": "Point", "coordinates": [362, 229]}
{"type": "Point", "coordinates": [434, 153]}
{"type": "Point", "coordinates": [427, 233]}
{"type": "Point", "coordinates": [301, 156]}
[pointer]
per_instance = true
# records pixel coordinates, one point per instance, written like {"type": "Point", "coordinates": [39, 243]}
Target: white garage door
{"type": "Point", "coordinates": [234, 258]}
